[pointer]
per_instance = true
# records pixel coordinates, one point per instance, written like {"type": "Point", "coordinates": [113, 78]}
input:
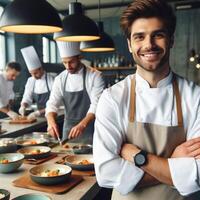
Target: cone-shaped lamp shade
{"type": "Point", "coordinates": [30, 17]}
{"type": "Point", "coordinates": [104, 44]}
{"type": "Point", "coordinates": [77, 27]}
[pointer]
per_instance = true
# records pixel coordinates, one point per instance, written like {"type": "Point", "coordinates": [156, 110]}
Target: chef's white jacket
{"type": "Point", "coordinates": [153, 105]}
{"type": "Point", "coordinates": [94, 86]}
{"type": "Point", "coordinates": [40, 87]}
{"type": "Point", "coordinates": [6, 90]}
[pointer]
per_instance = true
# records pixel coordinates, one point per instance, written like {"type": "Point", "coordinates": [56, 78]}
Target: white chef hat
{"type": "Point", "coordinates": [68, 49]}
{"type": "Point", "coordinates": [31, 58]}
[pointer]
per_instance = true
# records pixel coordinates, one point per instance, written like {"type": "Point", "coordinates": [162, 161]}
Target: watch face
{"type": "Point", "coordinates": [140, 160]}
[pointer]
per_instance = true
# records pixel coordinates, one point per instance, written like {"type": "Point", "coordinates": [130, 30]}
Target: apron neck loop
{"type": "Point", "coordinates": [175, 91]}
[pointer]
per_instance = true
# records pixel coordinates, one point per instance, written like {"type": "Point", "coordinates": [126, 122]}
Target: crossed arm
{"type": "Point", "coordinates": [157, 169]}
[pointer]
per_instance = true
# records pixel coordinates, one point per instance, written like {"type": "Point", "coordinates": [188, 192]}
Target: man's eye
{"type": "Point", "coordinates": [138, 37]}
{"type": "Point", "coordinates": [159, 35]}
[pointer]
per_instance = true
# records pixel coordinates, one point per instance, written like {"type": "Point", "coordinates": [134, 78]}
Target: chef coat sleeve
{"type": "Point", "coordinates": [56, 96]}
{"type": "Point", "coordinates": [185, 172]}
{"type": "Point", "coordinates": [3, 102]}
{"type": "Point", "coordinates": [28, 92]}
{"type": "Point", "coordinates": [11, 92]}
{"type": "Point", "coordinates": [111, 170]}
{"type": "Point", "coordinates": [97, 88]}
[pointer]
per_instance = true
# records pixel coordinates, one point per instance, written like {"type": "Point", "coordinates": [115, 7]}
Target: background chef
{"type": "Point", "coordinates": [38, 86]}
{"type": "Point", "coordinates": [78, 88]}
{"type": "Point", "coordinates": [6, 89]}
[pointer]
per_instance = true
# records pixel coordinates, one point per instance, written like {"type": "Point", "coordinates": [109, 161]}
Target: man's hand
{"type": "Point", "coordinates": [13, 115]}
{"type": "Point", "coordinates": [128, 151]}
{"type": "Point", "coordinates": [76, 130]}
{"type": "Point", "coordinates": [34, 115]}
{"type": "Point", "coordinates": [190, 148]}
{"type": "Point", "coordinates": [22, 110]}
{"type": "Point", "coordinates": [53, 130]}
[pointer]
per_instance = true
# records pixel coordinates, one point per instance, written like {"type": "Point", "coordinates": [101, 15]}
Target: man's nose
{"type": "Point", "coordinates": [149, 42]}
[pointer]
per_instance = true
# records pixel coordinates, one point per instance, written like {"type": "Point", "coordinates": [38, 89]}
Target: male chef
{"type": "Point", "coordinates": [146, 142]}
{"type": "Point", "coordinates": [6, 89]}
{"type": "Point", "coordinates": [38, 86]}
{"type": "Point", "coordinates": [78, 88]}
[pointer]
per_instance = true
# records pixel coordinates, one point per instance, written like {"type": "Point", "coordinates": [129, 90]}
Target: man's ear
{"type": "Point", "coordinates": [129, 45]}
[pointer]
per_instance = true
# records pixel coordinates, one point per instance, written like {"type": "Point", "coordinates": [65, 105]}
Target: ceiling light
{"type": "Point", "coordinates": [30, 17]}
{"type": "Point", "coordinates": [77, 27]}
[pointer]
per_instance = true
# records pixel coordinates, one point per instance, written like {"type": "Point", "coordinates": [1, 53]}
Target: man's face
{"type": "Point", "coordinates": [37, 73]}
{"type": "Point", "coordinates": [11, 74]}
{"type": "Point", "coordinates": [72, 64]}
{"type": "Point", "coordinates": [150, 44]}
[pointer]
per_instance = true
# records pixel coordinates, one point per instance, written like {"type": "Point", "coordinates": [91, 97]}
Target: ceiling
{"type": "Point", "coordinates": [109, 8]}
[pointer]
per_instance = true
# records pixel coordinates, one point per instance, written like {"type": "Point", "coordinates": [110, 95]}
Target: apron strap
{"type": "Point", "coordinates": [178, 102]}
{"type": "Point", "coordinates": [177, 95]}
{"type": "Point", "coordinates": [47, 83]}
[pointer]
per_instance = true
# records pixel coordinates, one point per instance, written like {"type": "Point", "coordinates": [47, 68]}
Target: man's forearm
{"type": "Point", "coordinates": [158, 168]}
{"type": "Point", "coordinates": [51, 117]}
{"type": "Point", "coordinates": [87, 119]}
{"type": "Point", "coordinates": [4, 109]}
{"type": "Point", "coordinates": [146, 181]}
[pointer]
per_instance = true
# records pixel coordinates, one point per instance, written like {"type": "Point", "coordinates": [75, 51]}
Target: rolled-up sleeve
{"type": "Point", "coordinates": [56, 96]}
{"type": "Point", "coordinates": [185, 172]}
{"type": "Point", "coordinates": [28, 92]}
{"type": "Point", "coordinates": [97, 88]}
{"type": "Point", "coordinates": [111, 170]}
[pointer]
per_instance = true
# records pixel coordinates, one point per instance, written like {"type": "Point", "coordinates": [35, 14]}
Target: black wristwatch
{"type": "Point", "coordinates": [140, 158]}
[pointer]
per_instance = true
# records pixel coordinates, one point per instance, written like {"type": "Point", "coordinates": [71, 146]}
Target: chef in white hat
{"type": "Point", "coordinates": [79, 88]}
{"type": "Point", "coordinates": [6, 89]}
{"type": "Point", "coordinates": [38, 86]}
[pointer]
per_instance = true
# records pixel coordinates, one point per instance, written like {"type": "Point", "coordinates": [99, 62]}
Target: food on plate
{"type": "Point", "coordinates": [50, 173]}
{"type": "Point", "coordinates": [30, 142]}
{"type": "Point", "coordinates": [4, 160]}
{"type": "Point", "coordinates": [34, 152]}
{"type": "Point", "coordinates": [84, 162]}
{"type": "Point", "coordinates": [66, 146]}
{"type": "Point", "coordinates": [2, 195]}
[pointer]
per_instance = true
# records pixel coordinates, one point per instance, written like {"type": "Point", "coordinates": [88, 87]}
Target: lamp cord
{"type": "Point", "coordinates": [99, 11]}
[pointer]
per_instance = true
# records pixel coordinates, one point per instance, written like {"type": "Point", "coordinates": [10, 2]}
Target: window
{"type": "Point", "coordinates": [46, 50]}
{"type": "Point", "coordinates": [49, 50]}
{"type": "Point", "coordinates": [2, 47]}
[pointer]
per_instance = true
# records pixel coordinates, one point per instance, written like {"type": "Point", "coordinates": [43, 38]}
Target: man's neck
{"type": "Point", "coordinates": [153, 77]}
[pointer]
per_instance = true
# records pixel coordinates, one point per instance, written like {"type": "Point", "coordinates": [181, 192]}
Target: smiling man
{"type": "Point", "coordinates": [148, 125]}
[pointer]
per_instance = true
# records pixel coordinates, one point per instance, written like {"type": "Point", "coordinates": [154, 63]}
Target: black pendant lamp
{"type": "Point", "coordinates": [104, 44]}
{"type": "Point", "coordinates": [77, 27]}
{"type": "Point", "coordinates": [30, 17]}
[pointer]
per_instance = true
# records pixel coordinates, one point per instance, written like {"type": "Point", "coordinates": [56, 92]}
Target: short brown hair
{"type": "Point", "coordinates": [14, 65]}
{"type": "Point", "coordinates": [146, 9]}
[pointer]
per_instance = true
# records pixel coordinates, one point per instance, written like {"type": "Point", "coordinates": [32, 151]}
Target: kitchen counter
{"type": "Point", "coordinates": [16, 130]}
{"type": "Point", "coordinates": [86, 190]}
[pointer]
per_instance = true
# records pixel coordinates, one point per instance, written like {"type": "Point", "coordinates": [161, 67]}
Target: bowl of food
{"type": "Point", "coordinates": [10, 162]}
{"type": "Point", "coordinates": [80, 162]}
{"type": "Point", "coordinates": [7, 145]}
{"type": "Point", "coordinates": [32, 197]}
{"type": "Point", "coordinates": [82, 148]}
{"type": "Point", "coordinates": [30, 141]}
{"type": "Point", "coordinates": [50, 174]}
{"type": "Point", "coordinates": [4, 194]}
{"type": "Point", "coordinates": [35, 152]}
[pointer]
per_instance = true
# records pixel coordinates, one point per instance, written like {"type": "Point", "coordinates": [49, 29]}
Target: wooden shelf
{"type": "Point", "coordinates": [114, 68]}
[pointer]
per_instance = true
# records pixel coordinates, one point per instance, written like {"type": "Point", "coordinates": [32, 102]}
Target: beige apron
{"type": "Point", "coordinates": [158, 140]}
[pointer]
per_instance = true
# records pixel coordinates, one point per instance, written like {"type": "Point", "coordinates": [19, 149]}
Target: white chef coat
{"type": "Point", "coordinates": [40, 87]}
{"type": "Point", "coordinates": [6, 90]}
{"type": "Point", "coordinates": [93, 82]}
{"type": "Point", "coordinates": [153, 105]}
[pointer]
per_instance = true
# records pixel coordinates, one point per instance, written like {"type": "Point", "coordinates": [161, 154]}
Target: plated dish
{"type": "Point", "coordinates": [10, 162]}
{"type": "Point", "coordinates": [80, 162]}
{"type": "Point", "coordinates": [36, 152]}
{"type": "Point", "coordinates": [50, 174]}
{"type": "Point", "coordinates": [30, 141]}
